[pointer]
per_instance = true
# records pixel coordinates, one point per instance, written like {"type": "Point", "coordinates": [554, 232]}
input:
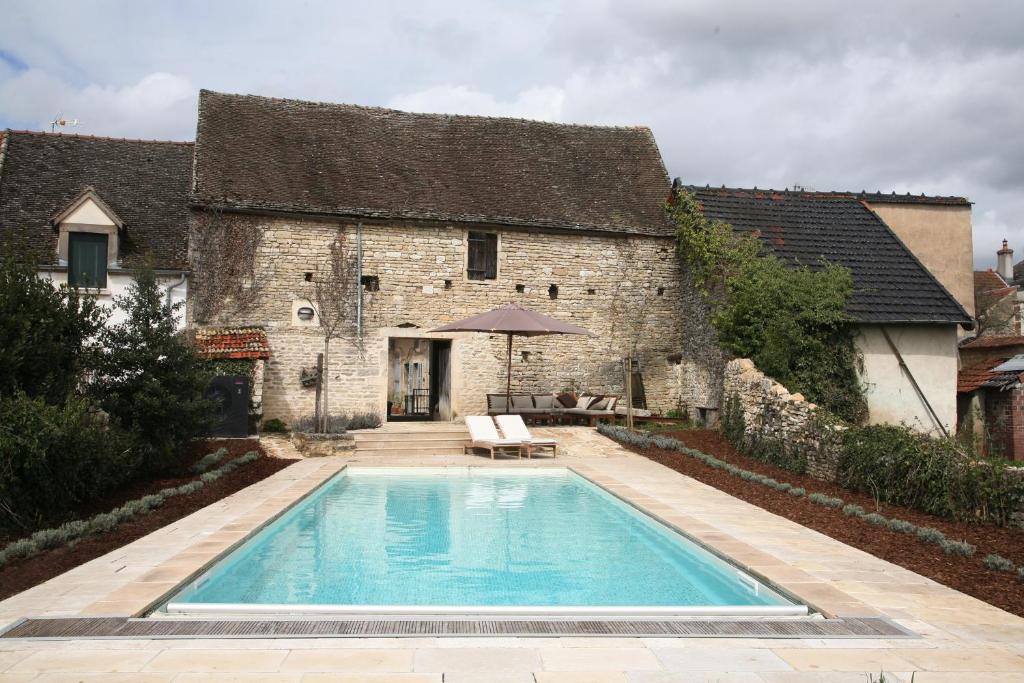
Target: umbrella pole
{"type": "Point", "coordinates": [508, 379]}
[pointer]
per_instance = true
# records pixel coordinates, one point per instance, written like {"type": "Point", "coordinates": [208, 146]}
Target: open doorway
{"type": "Point", "coordinates": [419, 379]}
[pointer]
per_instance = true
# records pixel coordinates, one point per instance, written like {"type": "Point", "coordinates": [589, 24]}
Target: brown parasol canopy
{"type": "Point", "coordinates": [512, 319]}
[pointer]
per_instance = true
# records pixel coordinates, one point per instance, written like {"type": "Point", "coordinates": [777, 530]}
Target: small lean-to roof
{"type": "Point", "coordinates": [265, 154]}
{"type": "Point", "coordinates": [143, 182]}
{"type": "Point", "coordinates": [993, 342]}
{"type": "Point", "coordinates": [984, 375]}
{"type": "Point", "coordinates": [232, 342]}
{"type": "Point", "coordinates": [890, 284]}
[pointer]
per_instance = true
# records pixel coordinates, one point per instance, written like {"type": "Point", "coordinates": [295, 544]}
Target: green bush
{"type": "Point", "coordinates": [274, 426]}
{"type": "Point", "coordinates": [998, 563]}
{"type": "Point", "coordinates": [1020, 573]}
{"type": "Point", "coordinates": [929, 534]}
{"type": "Point", "coordinates": [53, 458]}
{"type": "Point", "coordinates": [962, 548]}
{"type": "Point", "coordinates": [364, 421]}
{"type": "Point", "coordinates": [797, 492]}
{"type": "Point", "coordinates": [852, 510]}
{"type": "Point", "coordinates": [149, 378]}
{"type": "Point", "coordinates": [902, 526]}
{"type": "Point", "coordinates": [937, 476]}
{"type": "Point", "coordinates": [875, 519]}
{"type": "Point", "coordinates": [208, 461]}
{"type": "Point", "coordinates": [827, 501]}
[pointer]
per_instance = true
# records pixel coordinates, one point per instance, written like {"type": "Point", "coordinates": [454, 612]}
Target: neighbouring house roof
{"type": "Point", "coordinates": [983, 375]}
{"type": "Point", "coordinates": [143, 182]}
{"type": "Point", "coordinates": [988, 281]}
{"type": "Point", "coordinates": [232, 342]}
{"type": "Point", "coordinates": [992, 342]}
{"type": "Point", "coordinates": [893, 198]}
{"type": "Point", "coordinates": [264, 154]}
{"type": "Point", "coordinates": [890, 284]}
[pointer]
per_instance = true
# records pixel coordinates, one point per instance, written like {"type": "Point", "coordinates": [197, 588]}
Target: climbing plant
{"type": "Point", "coordinates": [790, 319]}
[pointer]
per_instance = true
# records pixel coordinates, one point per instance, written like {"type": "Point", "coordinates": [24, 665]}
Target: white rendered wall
{"type": "Point", "coordinates": [930, 352]}
{"type": "Point", "coordinates": [117, 285]}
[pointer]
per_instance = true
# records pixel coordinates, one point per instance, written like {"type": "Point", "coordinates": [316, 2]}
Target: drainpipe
{"type": "Point", "coordinates": [171, 287]}
{"type": "Point", "coordinates": [913, 382]}
{"type": "Point", "coordinates": [359, 281]}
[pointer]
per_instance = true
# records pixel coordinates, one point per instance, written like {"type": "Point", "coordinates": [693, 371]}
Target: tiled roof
{"type": "Point", "coordinates": [988, 281]}
{"type": "Point", "coordinates": [893, 198]}
{"type": "Point", "coordinates": [890, 284]}
{"type": "Point", "coordinates": [259, 153]}
{"type": "Point", "coordinates": [981, 375]}
{"type": "Point", "coordinates": [144, 182]}
{"type": "Point", "coordinates": [992, 342]}
{"type": "Point", "coordinates": [232, 342]}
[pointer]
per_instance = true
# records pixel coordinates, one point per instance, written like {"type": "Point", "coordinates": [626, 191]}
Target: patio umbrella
{"type": "Point", "coordinates": [512, 319]}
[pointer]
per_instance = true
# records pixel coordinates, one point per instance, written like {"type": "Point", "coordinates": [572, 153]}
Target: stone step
{"type": "Point", "coordinates": [409, 450]}
{"type": "Point", "coordinates": [370, 437]}
{"type": "Point", "coordinates": [431, 444]}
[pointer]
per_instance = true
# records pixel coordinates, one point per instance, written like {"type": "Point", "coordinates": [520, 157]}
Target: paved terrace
{"type": "Point", "coordinates": [961, 638]}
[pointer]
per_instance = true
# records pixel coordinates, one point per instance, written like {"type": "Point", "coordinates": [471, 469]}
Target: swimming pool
{"type": "Point", "coordinates": [484, 540]}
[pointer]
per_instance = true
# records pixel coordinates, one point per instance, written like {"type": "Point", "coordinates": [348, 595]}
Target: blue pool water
{"type": "Point", "coordinates": [470, 537]}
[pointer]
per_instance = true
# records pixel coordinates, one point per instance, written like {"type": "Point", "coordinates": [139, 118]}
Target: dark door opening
{"type": "Point", "coordinates": [418, 379]}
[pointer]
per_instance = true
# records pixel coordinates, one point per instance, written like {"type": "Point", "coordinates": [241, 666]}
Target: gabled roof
{"type": "Point", "coordinates": [893, 198]}
{"type": "Point", "coordinates": [258, 153]}
{"type": "Point", "coordinates": [143, 182]}
{"type": "Point", "coordinates": [890, 284]}
{"type": "Point", "coordinates": [232, 342]}
{"type": "Point", "coordinates": [87, 195]}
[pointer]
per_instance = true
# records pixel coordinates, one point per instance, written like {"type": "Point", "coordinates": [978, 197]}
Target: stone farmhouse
{"type": "Point", "coordinates": [432, 218]}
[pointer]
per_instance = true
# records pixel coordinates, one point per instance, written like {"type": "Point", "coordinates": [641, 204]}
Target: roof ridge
{"type": "Point", "coordinates": [879, 197]}
{"type": "Point", "coordinates": [435, 115]}
{"type": "Point", "coordinates": [82, 136]}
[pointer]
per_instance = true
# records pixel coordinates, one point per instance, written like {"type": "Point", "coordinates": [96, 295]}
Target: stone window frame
{"type": "Point", "coordinates": [465, 257]}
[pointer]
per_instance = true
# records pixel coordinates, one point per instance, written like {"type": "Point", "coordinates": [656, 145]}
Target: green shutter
{"type": "Point", "coordinates": [87, 260]}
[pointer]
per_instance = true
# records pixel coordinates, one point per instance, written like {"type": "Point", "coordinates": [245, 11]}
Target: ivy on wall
{"type": "Point", "coordinates": [788, 318]}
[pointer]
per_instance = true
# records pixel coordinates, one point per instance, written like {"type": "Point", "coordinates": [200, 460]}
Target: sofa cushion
{"type": "Point", "coordinates": [583, 402]}
{"type": "Point", "coordinates": [544, 401]}
{"type": "Point", "coordinates": [567, 400]}
{"type": "Point", "coordinates": [520, 402]}
{"type": "Point", "coordinates": [495, 403]}
{"type": "Point", "coordinates": [600, 404]}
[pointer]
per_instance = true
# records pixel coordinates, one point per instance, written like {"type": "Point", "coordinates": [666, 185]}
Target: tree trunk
{"type": "Point", "coordinates": [325, 414]}
{"type": "Point", "coordinates": [318, 402]}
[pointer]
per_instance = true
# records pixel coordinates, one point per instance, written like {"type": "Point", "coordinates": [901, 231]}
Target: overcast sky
{"type": "Point", "coordinates": [923, 96]}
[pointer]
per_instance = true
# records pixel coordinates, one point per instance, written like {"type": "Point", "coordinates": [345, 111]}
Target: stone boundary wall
{"type": "Point", "coordinates": [772, 414]}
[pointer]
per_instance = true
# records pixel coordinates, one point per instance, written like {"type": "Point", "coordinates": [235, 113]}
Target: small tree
{"type": "Point", "coordinates": [46, 332]}
{"type": "Point", "coordinates": [334, 292]}
{"type": "Point", "coordinates": [149, 378]}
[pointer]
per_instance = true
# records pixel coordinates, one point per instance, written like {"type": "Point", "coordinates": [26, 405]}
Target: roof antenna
{"type": "Point", "coordinates": [59, 120]}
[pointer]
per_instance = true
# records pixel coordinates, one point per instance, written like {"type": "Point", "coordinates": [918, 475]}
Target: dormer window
{"type": "Point", "coordinates": [87, 260]}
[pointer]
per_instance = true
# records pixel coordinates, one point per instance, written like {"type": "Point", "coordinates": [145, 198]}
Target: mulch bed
{"type": "Point", "coordinates": [20, 575]}
{"type": "Point", "coordinates": [965, 574]}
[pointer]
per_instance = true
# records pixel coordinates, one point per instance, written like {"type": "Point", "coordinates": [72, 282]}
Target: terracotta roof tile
{"type": "Point", "coordinates": [982, 375]}
{"type": "Point", "coordinates": [232, 342]}
{"type": "Point", "coordinates": [992, 342]}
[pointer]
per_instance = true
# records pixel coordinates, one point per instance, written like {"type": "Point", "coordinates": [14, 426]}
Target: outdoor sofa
{"type": "Point", "coordinates": [550, 408]}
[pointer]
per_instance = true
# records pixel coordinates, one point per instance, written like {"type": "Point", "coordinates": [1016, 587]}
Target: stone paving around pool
{"type": "Point", "coordinates": [962, 639]}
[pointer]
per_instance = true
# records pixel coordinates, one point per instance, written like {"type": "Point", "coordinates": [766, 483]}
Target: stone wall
{"type": "Point", "coordinates": [620, 288]}
{"type": "Point", "coordinates": [773, 415]}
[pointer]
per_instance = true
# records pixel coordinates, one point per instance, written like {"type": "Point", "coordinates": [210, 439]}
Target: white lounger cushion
{"type": "Point", "coordinates": [513, 427]}
{"type": "Point", "coordinates": [482, 430]}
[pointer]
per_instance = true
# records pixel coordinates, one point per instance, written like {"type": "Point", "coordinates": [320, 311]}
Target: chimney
{"type": "Point", "coordinates": [1005, 264]}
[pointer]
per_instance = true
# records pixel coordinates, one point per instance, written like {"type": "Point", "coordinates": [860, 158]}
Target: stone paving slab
{"type": "Point", "coordinates": [961, 638]}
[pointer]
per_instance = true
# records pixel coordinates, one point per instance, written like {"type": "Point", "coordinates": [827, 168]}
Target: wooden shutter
{"type": "Point", "coordinates": [491, 257]}
{"type": "Point", "coordinates": [87, 260]}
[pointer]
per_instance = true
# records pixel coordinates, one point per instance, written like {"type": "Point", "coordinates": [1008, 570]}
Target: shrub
{"type": "Point", "coordinates": [930, 535]}
{"type": "Point", "coordinates": [797, 492]}
{"type": "Point", "coordinates": [938, 476]}
{"type": "Point", "coordinates": [364, 421]}
{"type": "Point", "coordinates": [875, 519]}
{"type": "Point", "coordinates": [827, 501]}
{"type": "Point", "coordinates": [962, 548]}
{"type": "Point", "coordinates": [274, 426]}
{"type": "Point", "coordinates": [852, 510]}
{"type": "Point", "coordinates": [1020, 573]}
{"type": "Point", "coordinates": [208, 461]}
{"type": "Point", "coordinates": [53, 458]}
{"type": "Point", "coordinates": [902, 526]}
{"type": "Point", "coordinates": [998, 563]}
{"type": "Point", "coordinates": [149, 378]}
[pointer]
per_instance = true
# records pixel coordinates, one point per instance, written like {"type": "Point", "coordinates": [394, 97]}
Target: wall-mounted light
{"type": "Point", "coordinates": [305, 313]}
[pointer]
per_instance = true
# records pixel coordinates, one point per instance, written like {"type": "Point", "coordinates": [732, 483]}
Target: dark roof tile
{"type": "Point", "coordinates": [144, 182]}
{"type": "Point", "coordinates": [287, 155]}
{"type": "Point", "coordinates": [890, 284]}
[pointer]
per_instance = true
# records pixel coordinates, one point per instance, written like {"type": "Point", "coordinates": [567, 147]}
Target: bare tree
{"type": "Point", "coordinates": [334, 295]}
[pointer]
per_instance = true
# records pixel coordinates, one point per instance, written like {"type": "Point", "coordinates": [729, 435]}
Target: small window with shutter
{"type": "Point", "coordinates": [482, 261]}
{"type": "Point", "coordinates": [87, 260]}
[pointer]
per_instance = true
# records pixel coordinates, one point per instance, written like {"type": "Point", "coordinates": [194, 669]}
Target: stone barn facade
{"type": "Point", "coordinates": [437, 218]}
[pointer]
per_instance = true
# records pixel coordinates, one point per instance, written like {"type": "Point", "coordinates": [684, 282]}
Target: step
{"type": "Point", "coordinates": [418, 443]}
{"type": "Point", "coordinates": [409, 450]}
{"type": "Point", "coordinates": [431, 436]}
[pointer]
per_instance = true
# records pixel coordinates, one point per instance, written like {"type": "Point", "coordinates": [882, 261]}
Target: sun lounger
{"type": "Point", "coordinates": [483, 434]}
{"type": "Point", "coordinates": [513, 427]}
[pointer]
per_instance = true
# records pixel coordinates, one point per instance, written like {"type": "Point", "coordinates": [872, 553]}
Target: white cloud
{"type": "Point", "coordinates": [544, 103]}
